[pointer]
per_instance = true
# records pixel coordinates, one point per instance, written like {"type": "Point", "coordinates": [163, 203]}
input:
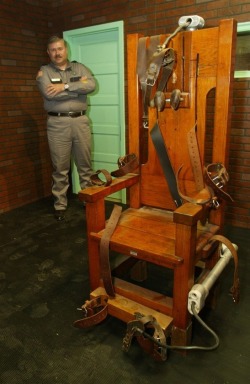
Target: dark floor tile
{"type": "Point", "coordinates": [44, 279]}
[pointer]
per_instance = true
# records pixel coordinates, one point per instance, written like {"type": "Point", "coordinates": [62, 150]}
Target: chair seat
{"type": "Point", "coordinates": [149, 234]}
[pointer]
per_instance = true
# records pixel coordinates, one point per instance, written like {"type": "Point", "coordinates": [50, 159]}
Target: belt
{"type": "Point", "coordinates": [67, 114]}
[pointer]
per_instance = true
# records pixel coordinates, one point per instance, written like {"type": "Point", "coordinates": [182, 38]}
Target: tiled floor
{"type": "Point", "coordinates": [44, 278]}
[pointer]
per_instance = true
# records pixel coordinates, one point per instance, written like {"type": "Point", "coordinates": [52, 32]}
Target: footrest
{"type": "Point", "coordinates": [123, 308]}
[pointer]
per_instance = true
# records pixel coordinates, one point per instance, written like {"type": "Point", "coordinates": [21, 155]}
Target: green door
{"type": "Point", "coordinates": [101, 49]}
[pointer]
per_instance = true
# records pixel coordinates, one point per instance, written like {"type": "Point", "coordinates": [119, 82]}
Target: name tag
{"type": "Point", "coordinates": [56, 81]}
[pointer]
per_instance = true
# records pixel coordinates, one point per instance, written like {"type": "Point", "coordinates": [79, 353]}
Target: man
{"type": "Point", "coordinates": [64, 86]}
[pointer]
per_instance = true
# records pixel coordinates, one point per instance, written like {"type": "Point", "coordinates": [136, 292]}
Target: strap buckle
{"type": "Point", "coordinates": [152, 74]}
{"type": "Point", "coordinates": [149, 334]}
{"type": "Point", "coordinates": [215, 203]}
{"type": "Point", "coordinates": [150, 81]}
{"type": "Point", "coordinates": [216, 177]}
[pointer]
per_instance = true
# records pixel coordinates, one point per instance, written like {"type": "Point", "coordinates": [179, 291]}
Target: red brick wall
{"type": "Point", "coordinates": [25, 25]}
{"type": "Point", "coordinates": [239, 160]}
{"type": "Point", "coordinates": [24, 160]}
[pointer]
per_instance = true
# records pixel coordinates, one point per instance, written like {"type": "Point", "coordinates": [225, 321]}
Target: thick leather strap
{"type": "Point", "coordinates": [164, 59]}
{"type": "Point", "coordinates": [95, 311]}
{"type": "Point", "coordinates": [126, 164]}
{"type": "Point", "coordinates": [202, 197]}
{"type": "Point", "coordinates": [151, 345]}
{"type": "Point", "coordinates": [97, 181]}
{"type": "Point", "coordinates": [150, 60]}
{"type": "Point", "coordinates": [194, 155]}
{"type": "Point", "coordinates": [144, 54]}
{"type": "Point", "coordinates": [167, 67]}
{"type": "Point", "coordinates": [216, 177]}
{"type": "Point", "coordinates": [104, 250]}
{"type": "Point", "coordinates": [165, 163]}
{"type": "Point", "coordinates": [235, 289]}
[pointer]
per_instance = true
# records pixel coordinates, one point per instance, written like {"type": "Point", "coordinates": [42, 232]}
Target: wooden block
{"type": "Point", "coordinates": [124, 309]}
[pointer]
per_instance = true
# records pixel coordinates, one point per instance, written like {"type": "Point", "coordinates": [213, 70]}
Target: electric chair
{"type": "Point", "coordinates": [179, 98]}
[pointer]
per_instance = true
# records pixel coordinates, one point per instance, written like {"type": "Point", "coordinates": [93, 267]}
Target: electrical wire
{"type": "Point", "coordinates": [187, 347]}
{"type": "Point", "coordinates": [184, 25]}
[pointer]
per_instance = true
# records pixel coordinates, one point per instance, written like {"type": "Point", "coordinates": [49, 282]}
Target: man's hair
{"type": "Point", "coordinates": [55, 39]}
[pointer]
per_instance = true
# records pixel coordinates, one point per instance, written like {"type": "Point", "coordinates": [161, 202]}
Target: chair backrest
{"type": "Point", "coordinates": [204, 61]}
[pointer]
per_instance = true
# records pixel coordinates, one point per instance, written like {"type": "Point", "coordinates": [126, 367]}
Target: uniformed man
{"type": "Point", "coordinates": [64, 86]}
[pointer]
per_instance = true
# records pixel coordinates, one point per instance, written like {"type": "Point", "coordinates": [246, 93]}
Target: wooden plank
{"type": "Point", "coordinates": [156, 227]}
{"type": "Point", "coordinates": [94, 193]}
{"type": "Point", "coordinates": [155, 300]}
{"type": "Point", "coordinates": [135, 243]}
{"type": "Point", "coordinates": [124, 309]}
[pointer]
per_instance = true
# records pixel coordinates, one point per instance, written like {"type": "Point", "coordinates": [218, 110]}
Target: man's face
{"type": "Point", "coordinates": [58, 53]}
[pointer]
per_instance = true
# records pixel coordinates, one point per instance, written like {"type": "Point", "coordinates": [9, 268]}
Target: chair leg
{"type": "Point", "coordinates": [181, 336]}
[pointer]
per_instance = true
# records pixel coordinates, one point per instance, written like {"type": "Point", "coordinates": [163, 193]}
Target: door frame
{"type": "Point", "coordinates": [117, 26]}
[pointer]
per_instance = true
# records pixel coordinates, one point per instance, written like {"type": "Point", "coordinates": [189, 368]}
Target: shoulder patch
{"type": "Point", "coordinates": [39, 74]}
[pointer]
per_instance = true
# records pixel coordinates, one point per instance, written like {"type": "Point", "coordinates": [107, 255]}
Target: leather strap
{"type": "Point", "coordinates": [150, 60]}
{"type": "Point", "coordinates": [199, 197]}
{"type": "Point", "coordinates": [194, 155]}
{"type": "Point", "coordinates": [126, 165]}
{"type": "Point", "coordinates": [165, 163]}
{"type": "Point", "coordinates": [95, 311]}
{"type": "Point", "coordinates": [235, 289]}
{"type": "Point", "coordinates": [149, 335]}
{"type": "Point", "coordinates": [167, 65]}
{"type": "Point", "coordinates": [144, 55]}
{"type": "Point", "coordinates": [164, 59]}
{"type": "Point", "coordinates": [104, 250]}
{"type": "Point", "coordinates": [97, 181]}
{"type": "Point", "coordinates": [216, 177]}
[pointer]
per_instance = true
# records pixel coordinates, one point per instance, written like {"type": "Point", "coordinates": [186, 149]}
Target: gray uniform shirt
{"type": "Point", "coordinates": [73, 99]}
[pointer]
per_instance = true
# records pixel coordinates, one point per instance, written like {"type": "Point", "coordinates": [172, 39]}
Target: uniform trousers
{"type": "Point", "coordinates": [68, 137]}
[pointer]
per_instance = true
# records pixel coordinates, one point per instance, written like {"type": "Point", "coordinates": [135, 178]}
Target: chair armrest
{"type": "Point", "coordinates": [188, 214]}
{"type": "Point", "coordinates": [95, 193]}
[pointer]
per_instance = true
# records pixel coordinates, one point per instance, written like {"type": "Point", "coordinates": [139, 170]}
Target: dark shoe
{"type": "Point", "coordinates": [60, 215]}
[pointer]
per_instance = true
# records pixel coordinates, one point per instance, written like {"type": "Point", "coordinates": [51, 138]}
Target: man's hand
{"type": "Point", "coordinates": [54, 89]}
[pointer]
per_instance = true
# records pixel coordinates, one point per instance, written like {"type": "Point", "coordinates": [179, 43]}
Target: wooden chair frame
{"type": "Point", "coordinates": [176, 239]}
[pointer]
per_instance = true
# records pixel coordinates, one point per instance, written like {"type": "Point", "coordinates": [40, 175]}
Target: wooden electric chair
{"type": "Point", "coordinates": [158, 232]}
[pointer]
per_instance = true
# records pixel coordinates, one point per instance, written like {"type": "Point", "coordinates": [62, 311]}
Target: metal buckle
{"type": "Point", "coordinates": [150, 82]}
{"type": "Point", "coordinates": [84, 310]}
{"type": "Point", "coordinates": [215, 203]}
{"type": "Point", "coordinates": [152, 75]}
